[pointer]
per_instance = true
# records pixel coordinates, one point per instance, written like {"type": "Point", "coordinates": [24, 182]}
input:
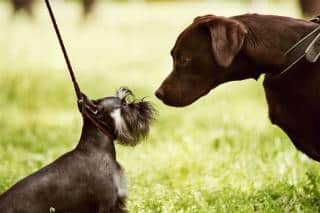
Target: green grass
{"type": "Point", "coordinates": [219, 155]}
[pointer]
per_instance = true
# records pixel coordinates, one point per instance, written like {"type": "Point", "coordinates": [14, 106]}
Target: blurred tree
{"type": "Point", "coordinates": [310, 8]}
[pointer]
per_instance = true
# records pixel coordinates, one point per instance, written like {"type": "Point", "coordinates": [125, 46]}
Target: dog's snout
{"type": "Point", "coordinates": [159, 93]}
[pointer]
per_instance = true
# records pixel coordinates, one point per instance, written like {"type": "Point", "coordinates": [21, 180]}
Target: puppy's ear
{"type": "Point", "coordinates": [227, 38]}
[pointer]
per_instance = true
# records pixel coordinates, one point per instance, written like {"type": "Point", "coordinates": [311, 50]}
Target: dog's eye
{"type": "Point", "coordinates": [123, 103]}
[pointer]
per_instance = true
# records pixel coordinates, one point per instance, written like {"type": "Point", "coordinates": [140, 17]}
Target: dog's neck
{"type": "Point", "coordinates": [269, 37]}
{"type": "Point", "coordinates": [93, 139]}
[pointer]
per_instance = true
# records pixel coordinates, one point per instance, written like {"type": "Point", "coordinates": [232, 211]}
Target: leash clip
{"type": "Point", "coordinates": [93, 111]}
{"type": "Point", "coordinates": [81, 105]}
{"type": "Point", "coordinates": [85, 104]}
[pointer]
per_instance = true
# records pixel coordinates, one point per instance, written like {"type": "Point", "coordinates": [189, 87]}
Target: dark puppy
{"type": "Point", "coordinates": [87, 179]}
{"type": "Point", "coordinates": [214, 50]}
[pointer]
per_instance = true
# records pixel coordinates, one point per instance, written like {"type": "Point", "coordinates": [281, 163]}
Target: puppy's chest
{"type": "Point", "coordinates": [110, 174]}
{"type": "Point", "coordinates": [120, 182]}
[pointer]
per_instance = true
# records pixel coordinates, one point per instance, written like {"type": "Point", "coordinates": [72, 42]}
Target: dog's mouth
{"type": "Point", "coordinates": [183, 100]}
{"type": "Point", "coordinates": [133, 119]}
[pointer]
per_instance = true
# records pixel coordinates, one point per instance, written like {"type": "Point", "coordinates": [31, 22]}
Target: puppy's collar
{"type": "Point", "coordinates": [91, 112]}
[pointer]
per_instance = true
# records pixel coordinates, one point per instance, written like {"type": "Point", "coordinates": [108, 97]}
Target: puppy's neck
{"type": "Point", "coordinates": [92, 139]}
{"type": "Point", "coordinates": [269, 37]}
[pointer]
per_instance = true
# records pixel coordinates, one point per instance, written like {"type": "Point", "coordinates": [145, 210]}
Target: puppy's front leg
{"type": "Point", "coordinates": [118, 208]}
{"type": "Point", "coordinates": [105, 209]}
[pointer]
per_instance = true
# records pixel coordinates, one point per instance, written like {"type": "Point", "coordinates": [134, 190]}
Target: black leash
{"type": "Point", "coordinates": [86, 107]}
{"type": "Point", "coordinates": [64, 51]}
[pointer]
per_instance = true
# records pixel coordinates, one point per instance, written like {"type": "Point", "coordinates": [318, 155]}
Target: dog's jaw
{"type": "Point", "coordinates": [120, 125]}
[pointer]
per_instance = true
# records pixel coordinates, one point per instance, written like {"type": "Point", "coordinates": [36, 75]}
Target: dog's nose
{"type": "Point", "coordinates": [159, 93]}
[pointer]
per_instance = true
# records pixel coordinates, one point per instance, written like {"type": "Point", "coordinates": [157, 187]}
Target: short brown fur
{"type": "Point", "coordinates": [293, 100]}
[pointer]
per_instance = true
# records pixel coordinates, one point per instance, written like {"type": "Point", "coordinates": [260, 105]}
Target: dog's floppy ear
{"type": "Point", "coordinates": [227, 38]}
{"type": "Point", "coordinates": [204, 18]}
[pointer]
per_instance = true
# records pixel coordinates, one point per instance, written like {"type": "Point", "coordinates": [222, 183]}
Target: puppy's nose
{"type": "Point", "coordinates": [159, 93]}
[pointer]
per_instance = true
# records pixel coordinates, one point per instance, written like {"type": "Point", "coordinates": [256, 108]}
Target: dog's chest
{"type": "Point", "coordinates": [294, 105]}
{"type": "Point", "coordinates": [120, 182]}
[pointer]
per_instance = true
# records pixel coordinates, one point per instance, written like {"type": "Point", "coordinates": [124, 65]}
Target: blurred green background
{"type": "Point", "coordinates": [219, 155]}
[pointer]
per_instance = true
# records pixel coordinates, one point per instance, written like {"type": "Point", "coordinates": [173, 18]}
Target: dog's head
{"type": "Point", "coordinates": [131, 117]}
{"type": "Point", "coordinates": [206, 54]}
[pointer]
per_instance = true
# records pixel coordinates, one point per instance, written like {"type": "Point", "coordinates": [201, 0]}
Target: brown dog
{"type": "Point", "coordinates": [310, 7]}
{"type": "Point", "coordinates": [214, 50]}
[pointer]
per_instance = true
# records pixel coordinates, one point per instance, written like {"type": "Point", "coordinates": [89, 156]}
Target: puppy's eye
{"type": "Point", "coordinates": [123, 103]}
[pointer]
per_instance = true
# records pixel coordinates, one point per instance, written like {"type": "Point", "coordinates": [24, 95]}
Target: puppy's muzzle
{"type": "Point", "coordinates": [133, 119]}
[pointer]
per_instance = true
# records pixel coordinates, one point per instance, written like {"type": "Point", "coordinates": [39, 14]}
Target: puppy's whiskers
{"type": "Point", "coordinates": [120, 125]}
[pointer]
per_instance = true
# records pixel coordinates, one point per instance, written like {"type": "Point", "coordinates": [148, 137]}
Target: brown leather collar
{"type": "Point", "coordinates": [307, 48]}
{"type": "Point", "coordinates": [89, 110]}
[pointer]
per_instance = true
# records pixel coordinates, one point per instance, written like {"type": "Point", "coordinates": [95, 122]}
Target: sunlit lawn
{"type": "Point", "coordinates": [218, 155]}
